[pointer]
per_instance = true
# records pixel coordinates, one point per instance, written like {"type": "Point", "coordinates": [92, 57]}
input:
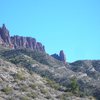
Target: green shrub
{"type": "Point", "coordinates": [82, 94]}
{"type": "Point", "coordinates": [19, 76]}
{"type": "Point", "coordinates": [53, 84]}
{"type": "Point", "coordinates": [23, 88]}
{"type": "Point", "coordinates": [43, 91]}
{"type": "Point", "coordinates": [74, 86]}
{"type": "Point", "coordinates": [92, 98]}
{"type": "Point", "coordinates": [24, 98]}
{"type": "Point", "coordinates": [7, 90]}
{"type": "Point", "coordinates": [32, 95]}
{"type": "Point", "coordinates": [33, 86]}
{"type": "Point", "coordinates": [64, 96]}
{"type": "Point", "coordinates": [49, 97]}
{"type": "Point", "coordinates": [11, 98]}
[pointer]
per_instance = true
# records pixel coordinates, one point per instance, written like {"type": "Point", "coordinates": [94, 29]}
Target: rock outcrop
{"type": "Point", "coordinates": [16, 42]}
{"type": "Point", "coordinates": [60, 57]}
{"type": "Point", "coordinates": [4, 36]}
{"type": "Point", "coordinates": [26, 42]}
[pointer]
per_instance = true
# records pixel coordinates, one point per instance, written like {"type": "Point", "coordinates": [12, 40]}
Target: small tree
{"type": "Point", "coordinates": [74, 86]}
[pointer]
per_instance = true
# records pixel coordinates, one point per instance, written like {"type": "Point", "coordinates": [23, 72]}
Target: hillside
{"type": "Point", "coordinates": [27, 72]}
{"type": "Point", "coordinates": [47, 66]}
{"type": "Point", "coordinates": [18, 83]}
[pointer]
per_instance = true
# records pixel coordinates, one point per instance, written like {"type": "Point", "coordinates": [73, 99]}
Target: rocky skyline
{"type": "Point", "coordinates": [17, 42]}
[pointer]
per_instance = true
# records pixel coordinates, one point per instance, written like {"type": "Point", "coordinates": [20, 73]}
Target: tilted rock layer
{"type": "Point", "coordinates": [16, 42]}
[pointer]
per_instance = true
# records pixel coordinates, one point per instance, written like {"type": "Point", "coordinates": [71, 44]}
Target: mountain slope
{"type": "Point", "coordinates": [47, 66]}
{"type": "Point", "coordinates": [18, 83]}
{"type": "Point", "coordinates": [24, 61]}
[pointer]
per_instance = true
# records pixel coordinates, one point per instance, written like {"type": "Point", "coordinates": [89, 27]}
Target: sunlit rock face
{"type": "Point", "coordinates": [27, 42]}
{"type": "Point", "coordinates": [17, 42]}
{"type": "Point", "coordinates": [5, 36]}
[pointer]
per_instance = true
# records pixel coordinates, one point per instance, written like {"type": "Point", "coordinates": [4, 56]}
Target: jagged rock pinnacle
{"type": "Point", "coordinates": [60, 57]}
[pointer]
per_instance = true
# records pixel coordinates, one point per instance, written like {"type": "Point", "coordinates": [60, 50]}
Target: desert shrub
{"type": "Point", "coordinates": [7, 90]}
{"type": "Point", "coordinates": [19, 76]}
{"type": "Point", "coordinates": [53, 84]}
{"type": "Point", "coordinates": [92, 98]}
{"type": "Point", "coordinates": [11, 98]}
{"type": "Point", "coordinates": [23, 88]}
{"type": "Point", "coordinates": [49, 97]}
{"type": "Point", "coordinates": [32, 95]}
{"type": "Point", "coordinates": [82, 94]}
{"type": "Point", "coordinates": [24, 98]}
{"type": "Point", "coordinates": [74, 86]}
{"type": "Point", "coordinates": [33, 86]}
{"type": "Point", "coordinates": [30, 71]}
{"type": "Point", "coordinates": [65, 96]}
{"type": "Point", "coordinates": [43, 91]}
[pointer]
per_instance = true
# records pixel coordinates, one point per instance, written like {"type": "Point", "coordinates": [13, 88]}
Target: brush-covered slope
{"type": "Point", "coordinates": [46, 66]}
{"type": "Point", "coordinates": [18, 83]}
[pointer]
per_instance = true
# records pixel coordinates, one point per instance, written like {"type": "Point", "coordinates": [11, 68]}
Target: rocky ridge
{"type": "Point", "coordinates": [15, 42]}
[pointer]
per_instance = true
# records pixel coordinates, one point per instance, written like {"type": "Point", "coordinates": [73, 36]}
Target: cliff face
{"type": "Point", "coordinates": [16, 42]}
{"type": "Point", "coordinates": [26, 42]}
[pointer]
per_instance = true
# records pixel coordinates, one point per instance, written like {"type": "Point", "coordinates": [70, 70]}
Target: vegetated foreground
{"type": "Point", "coordinates": [18, 83]}
{"type": "Point", "coordinates": [27, 75]}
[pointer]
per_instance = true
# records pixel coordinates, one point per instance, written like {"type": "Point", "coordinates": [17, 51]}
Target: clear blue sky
{"type": "Point", "coordinates": [71, 25]}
